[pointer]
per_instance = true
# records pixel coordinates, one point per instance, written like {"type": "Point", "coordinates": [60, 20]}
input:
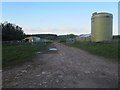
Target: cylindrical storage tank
{"type": "Point", "coordinates": [101, 27]}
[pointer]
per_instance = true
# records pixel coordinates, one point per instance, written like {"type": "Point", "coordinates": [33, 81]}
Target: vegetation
{"type": "Point", "coordinates": [14, 51]}
{"type": "Point", "coordinates": [63, 38]}
{"type": "Point", "coordinates": [11, 32]}
{"type": "Point", "coordinates": [15, 54]}
{"type": "Point", "coordinates": [45, 36]}
{"type": "Point", "coordinates": [106, 49]}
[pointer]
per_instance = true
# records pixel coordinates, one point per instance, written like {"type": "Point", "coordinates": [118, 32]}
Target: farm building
{"type": "Point", "coordinates": [83, 37]}
{"type": "Point", "coordinates": [31, 39]}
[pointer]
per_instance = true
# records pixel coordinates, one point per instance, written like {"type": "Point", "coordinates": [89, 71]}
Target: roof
{"type": "Point", "coordinates": [85, 35]}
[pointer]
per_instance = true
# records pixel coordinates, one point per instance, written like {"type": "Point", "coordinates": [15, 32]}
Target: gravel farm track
{"type": "Point", "coordinates": [67, 67]}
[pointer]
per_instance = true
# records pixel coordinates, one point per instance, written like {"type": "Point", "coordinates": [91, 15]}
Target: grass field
{"type": "Point", "coordinates": [15, 54]}
{"type": "Point", "coordinates": [108, 49]}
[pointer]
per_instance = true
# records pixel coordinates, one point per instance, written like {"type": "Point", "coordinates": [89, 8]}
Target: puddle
{"type": "Point", "coordinates": [52, 49]}
{"type": "Point", "coordinates": [38, 52]}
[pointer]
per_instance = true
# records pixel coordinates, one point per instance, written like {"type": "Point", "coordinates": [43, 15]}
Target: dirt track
{"type": "Point", "coordinates": [65, 68]}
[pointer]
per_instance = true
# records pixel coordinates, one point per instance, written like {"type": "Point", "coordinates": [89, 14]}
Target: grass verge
{"type": "Point", "coordinates": [16, 54]}
{"type": "Point", "coordinates": [105, 49]}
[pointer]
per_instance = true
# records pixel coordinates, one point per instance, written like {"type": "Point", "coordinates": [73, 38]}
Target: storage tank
{"type": "Point", "coordinates": [101, 27]}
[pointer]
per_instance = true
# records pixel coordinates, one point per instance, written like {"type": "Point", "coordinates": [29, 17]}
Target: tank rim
{"type": "Point", "coordinates": [101, 14]}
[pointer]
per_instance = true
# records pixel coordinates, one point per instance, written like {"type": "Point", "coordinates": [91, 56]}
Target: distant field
{"type": "Point", "coordinates": [15, 54]}
{"type": "Point", "coordinates": [108, 50]}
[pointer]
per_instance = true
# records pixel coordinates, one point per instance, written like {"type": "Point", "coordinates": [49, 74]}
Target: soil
{"type": "Point", "coordinates": [67, 67]}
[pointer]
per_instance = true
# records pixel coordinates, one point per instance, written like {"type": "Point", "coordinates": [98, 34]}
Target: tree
{"type": "Point", "coordinates": [11, 32]}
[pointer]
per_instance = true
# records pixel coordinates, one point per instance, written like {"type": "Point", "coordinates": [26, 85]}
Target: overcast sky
{"type": "Point", "coordinates": [57, 17]}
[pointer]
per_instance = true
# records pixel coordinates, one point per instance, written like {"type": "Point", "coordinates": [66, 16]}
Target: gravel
{"type": "Point", "coordinates": [66, 67]}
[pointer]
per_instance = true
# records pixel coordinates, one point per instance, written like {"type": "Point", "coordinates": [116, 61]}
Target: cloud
{"type": "Point", "coordinates": [58, 31]}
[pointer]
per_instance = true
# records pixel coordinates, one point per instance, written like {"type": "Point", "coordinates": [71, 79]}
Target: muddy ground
{"type": "Point", "coordinates": [65, 68]}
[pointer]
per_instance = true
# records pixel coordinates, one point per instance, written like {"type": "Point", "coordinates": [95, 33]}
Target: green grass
{"type": "Point", "coordinates": [15, 54]}
{"type": "Point", "coordinates": [105, 49]}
